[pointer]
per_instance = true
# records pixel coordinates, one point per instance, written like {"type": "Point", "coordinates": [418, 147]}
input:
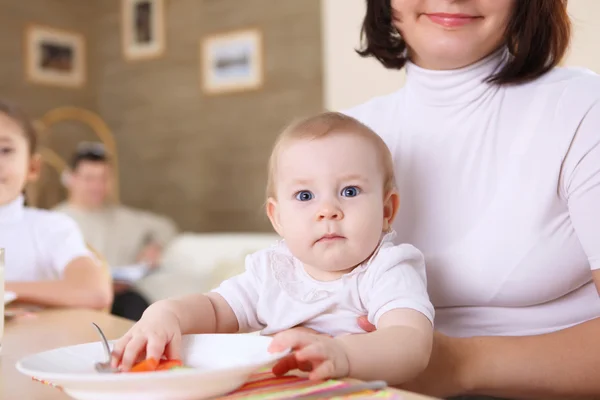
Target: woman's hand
{"type": "Point", "coordinates": [365, 325]}
{"type": "Point", "coordinates": [445, 374]}
{"type": "Point", "coordinates": [322, 355]}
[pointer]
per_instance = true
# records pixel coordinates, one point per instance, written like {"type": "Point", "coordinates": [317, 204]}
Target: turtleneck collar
{"type": "Point", "coordinates": [12, 211]}
{"type": "Point", "coordinates": [453, 87]}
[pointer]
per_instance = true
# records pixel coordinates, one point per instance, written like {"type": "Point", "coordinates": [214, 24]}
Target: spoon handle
{"type": "Point", "coordinates": [104, 342]}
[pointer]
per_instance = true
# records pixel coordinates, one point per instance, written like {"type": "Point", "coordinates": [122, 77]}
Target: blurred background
{"type": "Point", "coordinates": [197, 155]}
{"type": "Point", "coordinates": [188, 95]}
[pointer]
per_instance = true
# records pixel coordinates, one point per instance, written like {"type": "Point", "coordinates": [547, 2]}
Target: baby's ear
{"type": "Point", "coordinates": [273, 214]}
{"type": "Point", "coordinates": [391, 204]}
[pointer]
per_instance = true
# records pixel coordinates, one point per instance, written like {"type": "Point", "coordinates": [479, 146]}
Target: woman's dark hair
{"type": "Point", "coordinates": [19, 116]}
{"type": "Point", "coordinates": [537, 37]}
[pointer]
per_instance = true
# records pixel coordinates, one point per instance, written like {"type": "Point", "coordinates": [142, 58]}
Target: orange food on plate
{"type": "Point", "coordinates": [146, 365]}
{"type": "Point", "coordinates": [169, 364]}
{"type": "Point", "coordinates": [151, 364]}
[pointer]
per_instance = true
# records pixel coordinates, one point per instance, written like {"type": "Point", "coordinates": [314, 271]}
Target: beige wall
{"type": "Point", "coordinates": [15, 16]}
{"type": "Point", "coordinates": [70, 15]}
{"type": "Point", "coordinates": [585, 49]}
{"type": "Point", "coordinates": [350, 79]}
{"type": "Point", "coordinates": [197, 158]}
{"type": "Point", "coordinates": [178, 147]}
{"type": "Point", "coordinates": [201, 158]}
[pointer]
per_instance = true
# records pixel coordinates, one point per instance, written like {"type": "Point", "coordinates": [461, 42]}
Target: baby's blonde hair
{"type": "Point", "coordinates": [323, 125]}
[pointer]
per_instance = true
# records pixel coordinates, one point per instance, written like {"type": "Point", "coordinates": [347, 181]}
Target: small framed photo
{"type": "Point", "coordinates": [55, 56]}
{"type": "Point", "coordinates": [232, 62]}
{"type": "Point", "coordinates": [143, 28]}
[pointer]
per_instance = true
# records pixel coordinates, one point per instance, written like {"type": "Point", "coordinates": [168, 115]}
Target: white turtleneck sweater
{"type": "Point", "coordinates": [500, 190]}
{"type": "Point", "coordinates": [38, 244]}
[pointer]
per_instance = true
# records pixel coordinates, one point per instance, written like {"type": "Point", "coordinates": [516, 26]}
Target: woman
{"type": "Point", "coordinates": [497, 153]}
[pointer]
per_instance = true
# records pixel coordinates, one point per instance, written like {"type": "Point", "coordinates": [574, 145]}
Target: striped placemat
{"type": "Point", "coordinates": [266, 386]}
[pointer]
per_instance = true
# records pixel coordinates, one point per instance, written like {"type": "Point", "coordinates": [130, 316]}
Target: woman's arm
{"type": "Point", "coordinates": [565, 363]}
{"type": "Point", "coordinates": [84, 284]}
{"type": "Point", "coordinates": [561, 364]}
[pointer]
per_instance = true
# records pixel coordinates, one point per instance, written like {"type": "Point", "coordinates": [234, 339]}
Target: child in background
{"type": "Point", "coordinates": [332, 198]}
{"type": "Point", "coordinates": [47, 262]}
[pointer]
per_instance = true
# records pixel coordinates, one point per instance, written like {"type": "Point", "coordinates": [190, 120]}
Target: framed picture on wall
{"type": "Point", "coordinates": [54, 56]}
{"type": "Point", "coordinates": [143, 28]}
{"type": "Point", "coordinates": [232, 61]}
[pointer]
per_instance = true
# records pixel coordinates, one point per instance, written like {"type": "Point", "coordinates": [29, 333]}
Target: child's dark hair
{"type": "Point", "coordinates": [19, 116]}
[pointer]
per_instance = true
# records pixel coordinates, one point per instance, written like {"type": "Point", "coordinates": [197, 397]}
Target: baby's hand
{"type": "Point", "coordinates": [156, 333]}
{"type": "Point", "coordinates": [324, 356]}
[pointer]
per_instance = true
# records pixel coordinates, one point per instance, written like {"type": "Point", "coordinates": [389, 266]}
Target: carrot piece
{"type": "Point", "coordinates": [146, 365]}
{"type": "Point", "coordinates": [168, 364]}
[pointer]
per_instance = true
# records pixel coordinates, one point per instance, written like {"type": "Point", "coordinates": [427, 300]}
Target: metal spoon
{"type": "Point", "coordinates": [104, 367]}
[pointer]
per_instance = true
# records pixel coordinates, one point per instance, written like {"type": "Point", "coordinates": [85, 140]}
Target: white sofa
{"type": "Point", "coordinates": [198, 262]}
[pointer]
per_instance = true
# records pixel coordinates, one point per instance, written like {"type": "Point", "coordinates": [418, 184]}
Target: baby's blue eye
{"type": "Point", "coordinates": [304, 195]}
{"type": "Point", "coordinates": [350, 191]}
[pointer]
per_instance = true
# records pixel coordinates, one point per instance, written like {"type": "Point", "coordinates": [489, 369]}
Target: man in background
{"type": "Point", "coordinates": [124, 236]}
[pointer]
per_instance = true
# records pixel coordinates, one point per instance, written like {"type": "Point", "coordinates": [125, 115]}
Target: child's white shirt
{"type": "Point", "coordinates": [275, 293]}
{"type": "Point", "coordinates": [38, 244]}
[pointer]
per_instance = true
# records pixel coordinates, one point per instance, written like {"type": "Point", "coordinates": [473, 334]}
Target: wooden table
{"type": "Point", "coordinates": [50, 329]}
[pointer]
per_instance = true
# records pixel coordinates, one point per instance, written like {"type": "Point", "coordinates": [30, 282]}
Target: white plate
{"type": "Point", "coordinates": [9, 296]}
{"type": "Point", "coordinates": [221, 364]}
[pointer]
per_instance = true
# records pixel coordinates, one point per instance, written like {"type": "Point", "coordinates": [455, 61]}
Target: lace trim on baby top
{"type": "Point", "coordinates": [287, 273]}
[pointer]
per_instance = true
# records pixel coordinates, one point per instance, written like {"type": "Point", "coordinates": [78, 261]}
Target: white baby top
{"type": "Point", "coordinates": [39, 244]}
{"type": "Point", "coordinates": [276, 293]}
{"type": "Point", "coordinates": [501, 193]}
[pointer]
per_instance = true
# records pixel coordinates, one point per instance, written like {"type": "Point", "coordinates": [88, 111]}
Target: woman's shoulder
{"type": "Point", "coordinates": [570, 85]}
{"type": "Point", "coordinates": [570, 75]}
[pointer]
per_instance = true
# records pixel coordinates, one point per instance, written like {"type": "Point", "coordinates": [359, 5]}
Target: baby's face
{"type": "Point", "coordinates": [330, 201]}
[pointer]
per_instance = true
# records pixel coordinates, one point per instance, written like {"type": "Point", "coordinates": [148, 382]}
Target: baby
{"type": "Point", "coordinates": [331, 197]}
